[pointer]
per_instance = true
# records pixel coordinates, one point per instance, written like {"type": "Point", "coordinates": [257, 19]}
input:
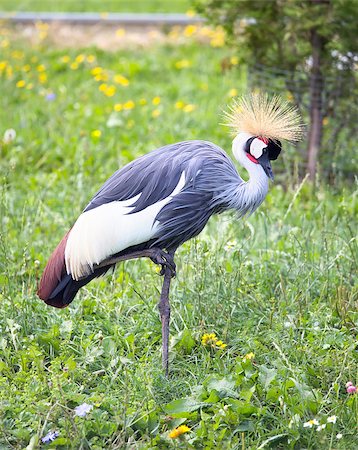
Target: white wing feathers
{"type": "Point", "coordinates": [109, 229]}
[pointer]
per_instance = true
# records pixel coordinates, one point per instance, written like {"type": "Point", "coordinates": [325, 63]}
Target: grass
{"type": "Point", "coordinates": [279, 288]}
{"type": "Point", "coordinates": [139, 6]}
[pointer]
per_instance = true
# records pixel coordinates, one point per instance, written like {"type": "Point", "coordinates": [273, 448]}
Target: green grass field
{"type": "Point", "coordinates": [143, 6]}
{"type": "Point", "coordinates": [278, 288]}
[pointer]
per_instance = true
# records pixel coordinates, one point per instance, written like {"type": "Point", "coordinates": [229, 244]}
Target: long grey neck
{"type": "Point", "coordinates": [248, 196]}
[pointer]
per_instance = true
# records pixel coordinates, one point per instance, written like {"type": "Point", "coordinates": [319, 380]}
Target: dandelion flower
{"type": "Point", "coordinates": [83, 409]}
{"type": "Point", "coordinates": [189, 108]}
{"type": "Point", "coordinates": [120, 79]}
{"type": "Point", "coordinates": [179, 104]}
{"type": "Point", "coordinates": [120, 32]}
{"type": "Point", "coordinates": [233, 92]}
{"type": "Point", "coordinates": [118, 107]}
{"type": "Point", "coordinates": [20, 84]}
{"type": "Point", "coordinates": [178, 431]}
{"type": "Point", "coordinates": [156, 113]}
{"type": "Point", "coordinates": [90, 59]}
{"type": "Point", "coordinates": [129, 104]}
{"type": "Point", "coordinates": [183, 64]}
{"type": "Point", "coordinates": [156, 101]}
{"type": "Point", "coordinates": [190, 30]}
{"type": "Point", "coordinates": [234, 60]}
{"type": "Point", "coordinates": [249, 356]}
{"type": "Point", "coordinates": [41, 68]}
{"type": "Point", "coordinates": [96, 133]}
{"type": "Point", "coordinates": [142, 101]}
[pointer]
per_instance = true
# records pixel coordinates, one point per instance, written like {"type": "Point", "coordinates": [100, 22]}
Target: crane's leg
{"type": "Point", "coordinates": [164, 310]}
{"type": "Point", "coordinates": [166, 260]}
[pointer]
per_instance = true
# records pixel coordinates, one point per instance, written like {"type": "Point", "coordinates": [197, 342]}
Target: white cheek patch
{"type": "Point", "coordinates": [257, 148]}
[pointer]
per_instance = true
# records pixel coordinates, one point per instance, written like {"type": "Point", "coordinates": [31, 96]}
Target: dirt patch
{"type": "Point", "coordinates": [104, 36]}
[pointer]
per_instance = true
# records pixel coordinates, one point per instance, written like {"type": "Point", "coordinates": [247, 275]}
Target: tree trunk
{"type": "Point", "coordinates": [316, 90]}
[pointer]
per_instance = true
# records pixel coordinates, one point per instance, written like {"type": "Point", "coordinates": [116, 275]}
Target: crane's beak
{"type": "Point", "coordinates": [266, 165]}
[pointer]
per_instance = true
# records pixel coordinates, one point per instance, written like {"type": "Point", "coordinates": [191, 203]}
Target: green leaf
{"type": "Point", "coordinates": [245, 425]}
{"type": "Point", "coordinates": [266, 376]}
{"type": "Point", "coordinates": [224, 387]}
{"type": "Point", "coordinates": [183, 405]}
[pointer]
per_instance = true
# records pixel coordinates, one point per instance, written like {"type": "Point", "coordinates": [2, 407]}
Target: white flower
{"type": "Point", "coordinates": [332, 419]}
{"type": "Point", "coordinates": [321, 427]}
{"type": "Point", "coordinates": [9, 135]}
{"type": "Point", "coordinates": [310, 423]}
{"type": "Point", "coordinates": [339, 436]}
{"type": "Point", "coordinates": [83, 409]}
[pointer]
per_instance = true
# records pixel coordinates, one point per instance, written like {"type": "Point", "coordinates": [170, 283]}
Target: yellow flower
{"type": "Point", "coordinates": [74, 65]}
{"type": "Point", "coordinates": [110, 91]}
{"type": "Point", "coordinates": [212, 340]}
{"type": "Point", "coordinates": [189, 30]}
{"type": "Point", "coordinates": [179, 431]}
{"type": "Point", "coordinates": [233, 92]}
{"type": "Point", "coordinates": [96, 71]}
{"type": "Point", "coordinates": [42, 78]}
{"type": "Point", "coordinates": [234, 60]}
{"type": "Point", "coordinates": [218, 38]}
{"type": "Point", "coordinates": [249, 356]}
{"type": "Point", "coordinates": [80, 58]}
{"type": "Point", "coordinates": [20, 84]}
{"type": "Point", "coordinates": [209, 338]}
{"type": "Point", "coordinates": [26, 68]}
{"type": "Point", "coordinates": [179, 104]}
{"type": "Point", "coordinates": [190, 13]}
{"type": "Point", "coordinates": [156, 113]}
{"type": "Point", "coordinates": [3, 65]}
{"type": "Point", "coordinates": [325, 121]}
{"type": "Point", "coordinates": [120, 32]}
{"type": "Point", "coordinates": [156, 101]}
{"type": "Point", "coordinates": [118, 107]}
{"type": "Point", "coordinates": [142, 101]}
{"type": "Point", "coordinates": [65, 59]}
{"type": "Point", "coordinates": [120, 79]}
{"type": "Point", "coordinates": [4, 43]}
{"type": "Point", "coordinates": [183, 64]}
{"type": "Point", "coordinates": [189, 108]}
{"type": "Point", "coordinates": [129, 104]}
{"type": "Point", "coordinates": [102, 87]}
{"type": "Point", "coordinates": [90, 59]}
{"type": "Point", "coordinates": [41, 68]}
{"type": "Point", "coordinates": [96, 134]}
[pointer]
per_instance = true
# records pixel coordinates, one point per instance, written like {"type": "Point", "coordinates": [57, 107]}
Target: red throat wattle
{"type": "Point", "coordinates": [252, 158]}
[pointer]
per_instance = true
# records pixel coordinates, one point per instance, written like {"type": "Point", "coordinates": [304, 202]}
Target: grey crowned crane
{"type": "Point", "coordinates": [160, 200]}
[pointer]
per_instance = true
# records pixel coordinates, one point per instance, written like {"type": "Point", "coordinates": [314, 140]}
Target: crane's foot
{"type": "Point", "coordinates": [166, 260]}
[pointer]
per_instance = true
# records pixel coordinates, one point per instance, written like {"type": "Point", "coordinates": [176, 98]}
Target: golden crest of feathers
{"type": "Point", "coordinates": [270, 118]}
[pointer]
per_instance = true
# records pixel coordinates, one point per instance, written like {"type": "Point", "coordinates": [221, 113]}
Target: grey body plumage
{"type": "Point", "coordinates": [212, 186]}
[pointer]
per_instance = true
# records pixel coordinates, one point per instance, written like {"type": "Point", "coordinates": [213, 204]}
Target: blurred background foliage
{"type": "Point", "coordinates": [310, 50]}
